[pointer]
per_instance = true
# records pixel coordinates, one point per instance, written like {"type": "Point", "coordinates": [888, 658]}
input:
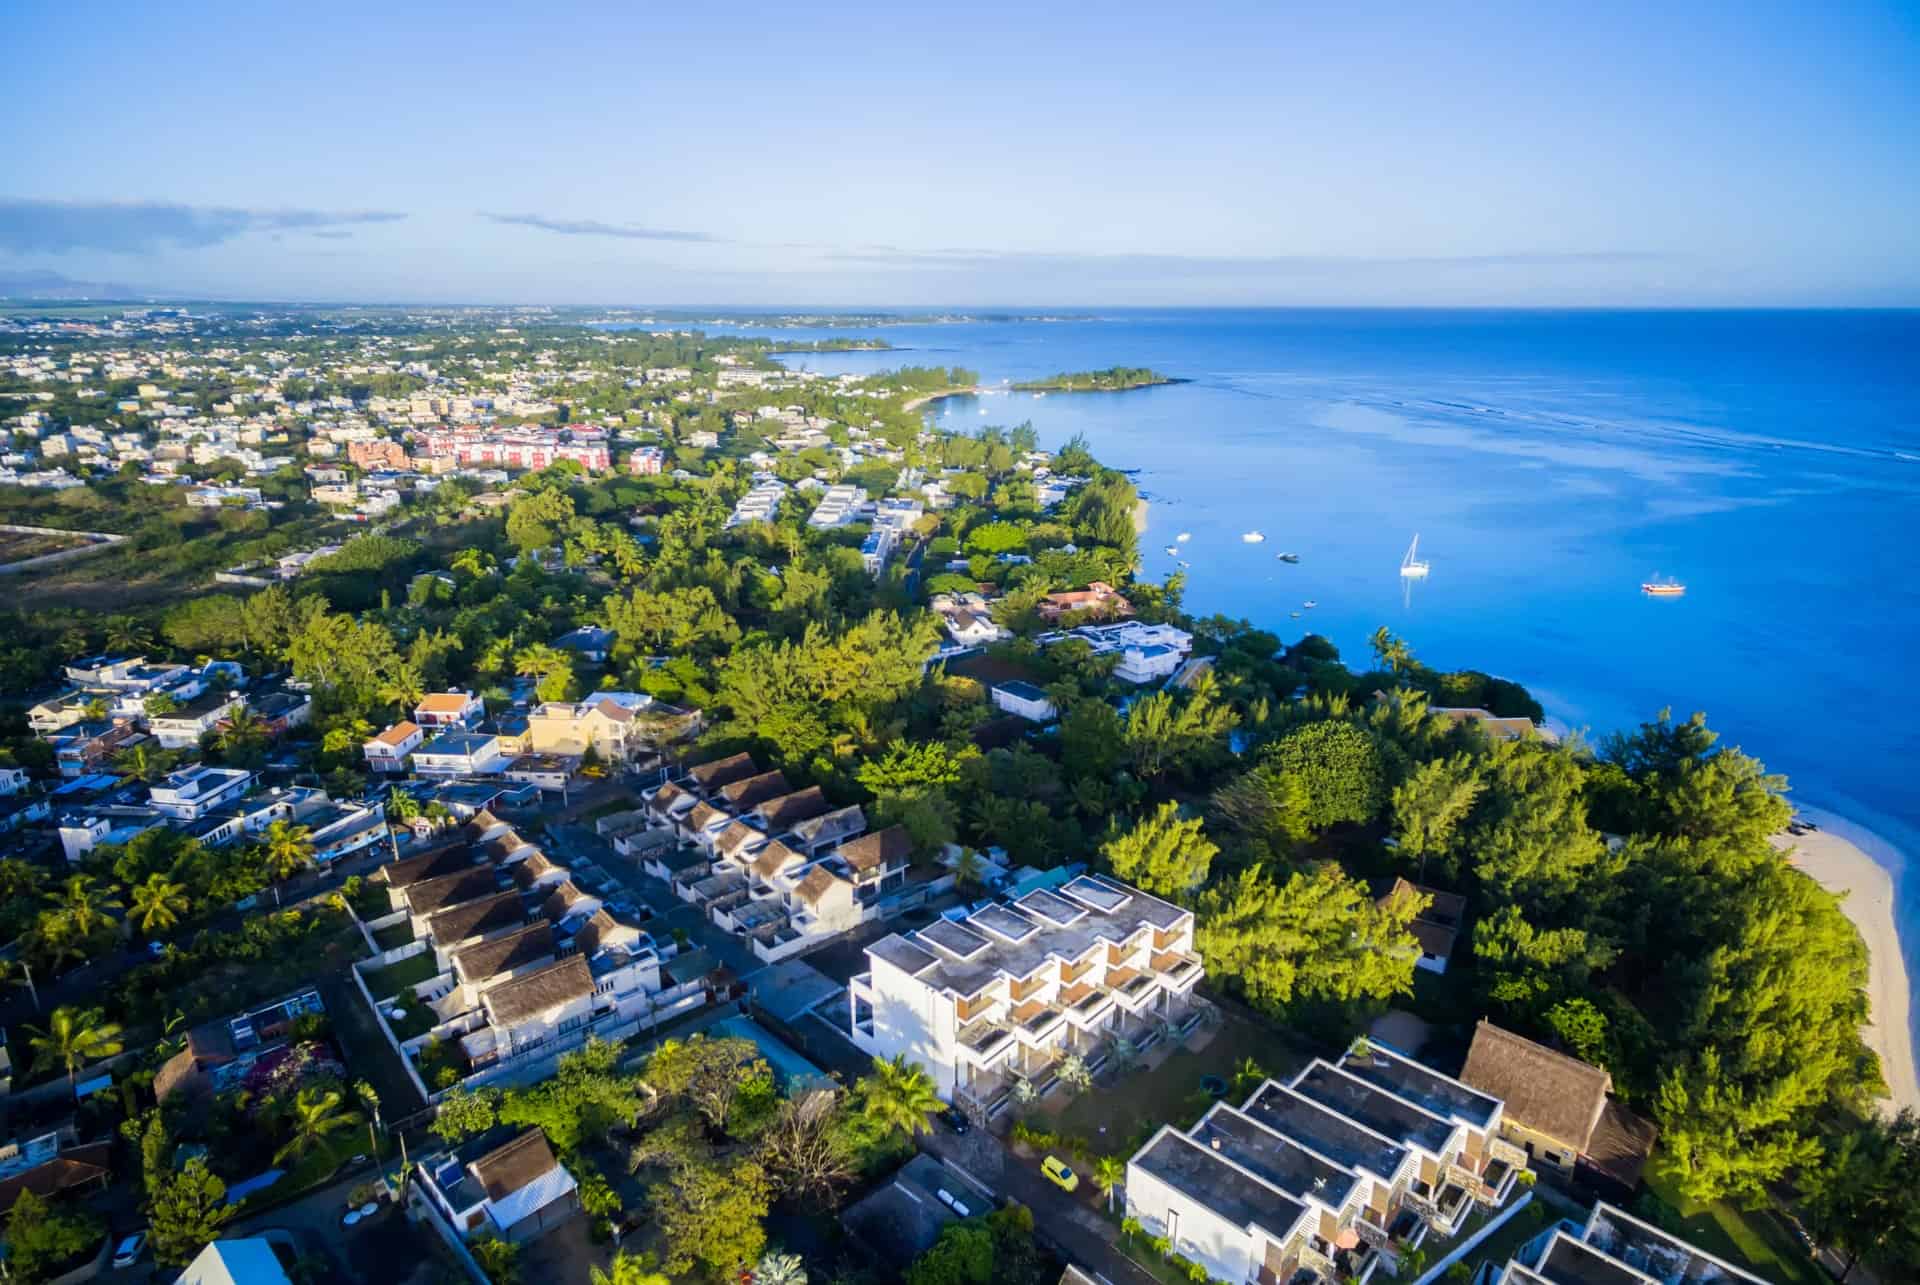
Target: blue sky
{"type": "Point", "coordinates": [865, 154]}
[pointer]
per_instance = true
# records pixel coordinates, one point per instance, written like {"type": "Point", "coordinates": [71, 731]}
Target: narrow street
{"type": "Point", "coordinates": [1069, 1223]}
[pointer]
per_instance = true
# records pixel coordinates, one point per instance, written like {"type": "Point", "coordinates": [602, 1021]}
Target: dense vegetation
{"type": "Point", "coordinates": [1111, 380]}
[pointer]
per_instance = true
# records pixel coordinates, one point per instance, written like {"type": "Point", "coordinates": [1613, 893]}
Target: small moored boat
{"type": "Point", "coordinates": [1663, 587]}
{"type": "Point", "coordinates": [1252, 537]}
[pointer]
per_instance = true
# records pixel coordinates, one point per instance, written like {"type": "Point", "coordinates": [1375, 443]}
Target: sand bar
{"type": "Point", "coordinates": [1841, 866]}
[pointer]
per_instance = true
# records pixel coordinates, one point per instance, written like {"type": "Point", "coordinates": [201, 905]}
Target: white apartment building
{"type": "Point", "coordinates": [1007, 992]}
{"type": "Point", "coordinates": [193, 792]}
{"type": "Point", "coordinates": [1147, 652]}
{"type": "Point", "coordinates": [839, 506]}
{"type": "Point", "coordinates": [1326, 1174]}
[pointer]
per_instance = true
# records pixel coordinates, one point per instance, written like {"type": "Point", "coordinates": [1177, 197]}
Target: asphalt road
{"type": "Point", "coordinates": [1068, 1222]}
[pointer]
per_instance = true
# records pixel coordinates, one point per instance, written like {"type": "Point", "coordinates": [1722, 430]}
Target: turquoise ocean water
{"type": "Point", "coordinates": [1550, 462]}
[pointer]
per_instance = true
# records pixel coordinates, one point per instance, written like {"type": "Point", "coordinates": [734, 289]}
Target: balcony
{"type": "Point", "coordinates": [1037, 1023]}
{"type": "Point", "coordinates": [984, 1043]}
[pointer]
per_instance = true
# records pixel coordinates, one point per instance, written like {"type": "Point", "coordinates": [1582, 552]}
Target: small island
{"type": "Point", "coordinates": [1114, 379]}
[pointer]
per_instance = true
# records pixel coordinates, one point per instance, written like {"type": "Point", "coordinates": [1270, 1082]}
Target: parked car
{"type": "Point", "coordinates": [1058, 1174]}
{"type": "Point", "coordinates": [956, 1119]}
{"type": "Point", "coordinates": [128, 1251]}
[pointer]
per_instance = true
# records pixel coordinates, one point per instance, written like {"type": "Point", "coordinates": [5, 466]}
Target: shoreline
{"type": "Point", "coordinates": [1141, 507]}
{"type": "Point", "coordinates": [915, 403]}
{"type": "Point", "coordinates": [1841, 866]}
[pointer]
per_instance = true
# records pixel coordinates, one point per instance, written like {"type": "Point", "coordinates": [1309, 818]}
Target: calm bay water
{"type": "Point", "coordinates": [1550, 462]}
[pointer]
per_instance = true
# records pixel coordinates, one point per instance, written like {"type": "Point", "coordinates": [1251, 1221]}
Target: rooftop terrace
{"type": "Point", "coordinates": [1188, 1166]}
{"type": "Point", "coordinates": [1372, 1108]}
{"type": "Point", "coordinates": [1329, 1134]}
{"type": "Point", "coordinates": [1440, 1094]}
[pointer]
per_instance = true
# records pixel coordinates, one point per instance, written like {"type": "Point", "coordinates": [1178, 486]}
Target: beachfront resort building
{"type": "Point", "coordinates": [1330, 1173]}
{"type": "Point", "coordinates": [1004, 994]}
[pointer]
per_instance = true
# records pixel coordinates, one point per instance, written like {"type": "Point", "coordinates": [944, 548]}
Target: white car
{"type": "Point", "coordinates": [128, 1251]}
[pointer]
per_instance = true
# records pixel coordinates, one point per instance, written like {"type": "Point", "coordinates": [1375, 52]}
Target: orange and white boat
{"type": "Point", "coordinates": [1663, 588]}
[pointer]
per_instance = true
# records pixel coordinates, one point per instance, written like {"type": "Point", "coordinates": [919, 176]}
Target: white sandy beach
{"type": "Point", "coordinates": [1840, 866]}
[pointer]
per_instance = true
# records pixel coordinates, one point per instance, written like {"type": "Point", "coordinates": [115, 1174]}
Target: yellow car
{"type": "Point", "coordinates": [1058, 1174]}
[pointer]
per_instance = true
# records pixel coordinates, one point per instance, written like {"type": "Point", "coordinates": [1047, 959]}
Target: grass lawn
{"type": "Point", "coordinates": [1515, 1232]}
{"type": "Point", "coordinates": [1148, 1260]}
{"type": "Point", "coordinates": [1754, 1240]}
{"type": "Point", "coordinates": [1170, 1093]}
{"type": "Point", "coordinates": [419, 1020]}
{"type": "Point", "coordinates": [393, 935]}
{"type": "Point", "coordinates": [385, 983]}
{"type": "Point", "coordinates": [317, 1166]}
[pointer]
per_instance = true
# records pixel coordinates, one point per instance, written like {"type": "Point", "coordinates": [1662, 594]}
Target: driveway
{"type": "Point", "coordinates": [576, 841]}
{"type": "Point", "coordinates": [1069, 1223]}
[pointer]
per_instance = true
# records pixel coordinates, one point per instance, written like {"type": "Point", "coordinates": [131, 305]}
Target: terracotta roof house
{"type": "Point", "coordinates": [1556, 1106]}
{"type": "Point", "coordinates": [1098, 597]}
{"type": "Point", "coordinates": [720, 772]}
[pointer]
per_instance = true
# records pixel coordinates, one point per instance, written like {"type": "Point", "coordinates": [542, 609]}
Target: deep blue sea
{"type": "Point", "coordinates": [1550, 462]}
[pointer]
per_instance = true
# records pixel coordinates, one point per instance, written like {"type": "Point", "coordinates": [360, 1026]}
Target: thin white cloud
{"type": "Point", "coordinates": [33, 226]}
{"type": "Point", "coordinates": [594, 227]}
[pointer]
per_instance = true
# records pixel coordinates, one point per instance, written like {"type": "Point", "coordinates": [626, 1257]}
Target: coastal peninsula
{"type": "Point", "coordinates": [1114, 379]}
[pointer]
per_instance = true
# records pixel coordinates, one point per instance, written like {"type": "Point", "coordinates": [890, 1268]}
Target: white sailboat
{"type": "Point", "coordinates": [1252, 537]}
{"type": "Point", "coordinates": [1183, 537]}
{"type": "Point", "coordinates": [1411, 566]}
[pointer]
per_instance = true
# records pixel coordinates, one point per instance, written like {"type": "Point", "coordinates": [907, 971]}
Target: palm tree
{"type": "Point", "coordinates": [369, 1098]}
{"type": "Point", "coordinates": [288, 848]}
{"type": "Point", "coordinates": [141, 763]}
{"type": "Point", "coordinates": [315, 1115]}
{"type": "Point", "coordinates": [95, 710]}
{"type": "Point", "coordinates": [403, 688]}
{"type": "Point", "coordinates": [638, 1269]}
{"type": "Point", "coordinates": [540, 659]}
{"type": "Point", "coordinates": [242, 732]}
{"type": "Point", "coordinates": [474, 562]}
{"type": "Point", "coordinates": [76, 1037]}
{"type": "Point", "coordinates": [1109, 1173]}
{"type": "Point", "coordinates": [125, 634]}
{"type": "Point", "coordinates": [158, 903]}
{"type": "Point", "coordinates": [83, 906]}
{"type": "Point", "coordinates": [969, 871]}
{"type": "Point", "coordinates": [401, 806]}
{"type": "Point", "coordinates": [900, 1095]}
{"type": "Point", "coordinates": [776, 1268]}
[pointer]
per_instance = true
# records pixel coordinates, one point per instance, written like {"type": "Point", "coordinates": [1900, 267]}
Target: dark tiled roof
{"type": "Point", "coordinates": [789, 809]}
{"type": "Point", "coordinates": [755, 790]}
{"type": "Point", "coordinates": [1620, 1145]}
{"type": "Point", "coordinates": [506, 1169]}
{"type": "Point", "coordinates": [506, 953]}
{"type": "Point", "coordinates": [457, 923]}
{"type": "Point", "coordinates": [736, 767]}
{"type": "Point", "coordinates": [523, 997]}
{"type": "Point", "coordinates": [438, 893]}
